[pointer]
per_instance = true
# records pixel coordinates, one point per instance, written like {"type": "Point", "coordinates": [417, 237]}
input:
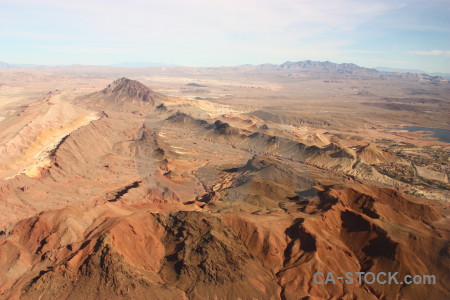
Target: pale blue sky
{"type": "Point", "coordinates": [399, 34]}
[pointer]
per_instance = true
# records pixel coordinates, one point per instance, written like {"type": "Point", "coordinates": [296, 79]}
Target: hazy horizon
{"type": "Point", "coordinates": [199, 33]}
{"type": "Point", "coordinates": [156, 64]}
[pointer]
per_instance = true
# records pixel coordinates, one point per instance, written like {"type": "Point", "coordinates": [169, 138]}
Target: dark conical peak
{"type": "Point", "coordinates": [125, 84]}
{"type": "Point", "coordinates": [129, 88]}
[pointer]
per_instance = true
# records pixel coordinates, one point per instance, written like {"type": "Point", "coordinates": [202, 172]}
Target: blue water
{"type": "Point", "coordinates": [442, 135]}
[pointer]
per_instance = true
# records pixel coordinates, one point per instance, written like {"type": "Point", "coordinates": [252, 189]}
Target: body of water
{"type": "Point", "coordinates": [442, 135]}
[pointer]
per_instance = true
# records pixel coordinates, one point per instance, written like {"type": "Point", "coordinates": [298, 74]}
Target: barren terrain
{"type": "Point", "coordinates": [221, 183]}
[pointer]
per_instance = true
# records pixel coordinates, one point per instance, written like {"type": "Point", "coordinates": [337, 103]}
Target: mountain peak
{"type": "Point", "coordinates": [130, 89]}
{"type": "Point", "coordinates": [125, 84]}
{"type": "Point", "coordinates": [328, 66]}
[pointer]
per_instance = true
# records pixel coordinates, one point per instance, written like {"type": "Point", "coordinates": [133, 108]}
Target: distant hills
{"type": "Point", "coordinates": [310, 67]}
{"type": "Point", "coordinates": [141, 65]}
{"type": "Point", "coordinates": [120, 65]}
{"type": "Point", "coordinates": [7, 65]}
{"type": "Point", "coordinates": [397, 70]}
{"type": "Point", "coordinates": [326, 65]}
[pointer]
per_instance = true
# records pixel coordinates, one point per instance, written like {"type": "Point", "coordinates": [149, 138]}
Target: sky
{"type": "Point", "coordinates": [405, 34]}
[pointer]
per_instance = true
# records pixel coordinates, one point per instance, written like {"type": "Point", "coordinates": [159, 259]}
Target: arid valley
{"type": "Point", "coordinates": [222, 183]}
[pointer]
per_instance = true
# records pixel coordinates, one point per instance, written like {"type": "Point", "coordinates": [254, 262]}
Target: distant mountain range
{"type": "Point", "coordinates": [7, 65]}
{"type": "Point", "coordinates": [396, 70]}
{"type": "Point", "coordinates": [141, 65]}
{"type": "Point", "coordinates": [307, 66]}
{"type": "Point", "coordinates": [120, 65]}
